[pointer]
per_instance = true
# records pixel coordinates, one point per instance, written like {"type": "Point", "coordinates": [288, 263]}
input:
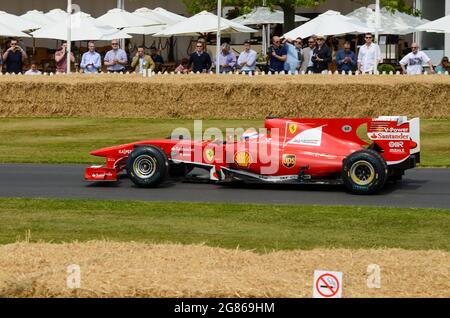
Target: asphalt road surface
{"type": "Point", "coordinates": [419, 188]}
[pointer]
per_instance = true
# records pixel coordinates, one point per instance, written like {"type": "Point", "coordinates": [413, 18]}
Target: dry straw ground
{"type": "Point", "coordinates": [133, 269]}
{"type": "Point", "coordinates": [227, 97]}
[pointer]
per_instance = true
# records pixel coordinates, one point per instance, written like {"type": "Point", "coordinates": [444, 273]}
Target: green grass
{"type": "Point", "coordinates": [259, 227]}
{"type": "Point", "coordinates": [69, 140]}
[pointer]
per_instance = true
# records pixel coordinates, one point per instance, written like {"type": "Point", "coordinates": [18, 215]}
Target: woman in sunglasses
{"type": "Point", "coordinates": [444, 66]}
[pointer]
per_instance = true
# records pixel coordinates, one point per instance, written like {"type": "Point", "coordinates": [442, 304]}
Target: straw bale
{"type": "Point", "coordinates": [224, 97]}
{"type": "Point", "coordinates": [112, 269]}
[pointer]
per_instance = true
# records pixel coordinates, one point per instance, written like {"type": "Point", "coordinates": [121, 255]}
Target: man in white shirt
{"type": "Point", "coordinates": [415, 61]}
{"type": "Point", "coordinates": [247, 59]}
{"type": "Point", "coordinates": [369, 56]}
{"type": "Point", "coordinates": [33, 70]}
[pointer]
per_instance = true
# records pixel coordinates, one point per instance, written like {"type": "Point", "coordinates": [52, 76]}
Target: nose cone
{"type": "Point", "coordinates": [100, 152]}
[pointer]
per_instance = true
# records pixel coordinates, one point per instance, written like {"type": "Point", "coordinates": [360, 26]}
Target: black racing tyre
{"type": "Point", "coordinates": [180, 169]}
{"type": "Point", "coordinates": [364, 172]}
{"type": "Point", "coordinates": [147, 166]}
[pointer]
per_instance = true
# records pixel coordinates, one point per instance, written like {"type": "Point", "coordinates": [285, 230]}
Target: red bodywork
{"type": "Point", "coordinates": [289, 150]}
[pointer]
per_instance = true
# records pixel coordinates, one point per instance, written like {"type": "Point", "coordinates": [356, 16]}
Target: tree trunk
{"type": "Point", "coordinates": [289, 16]}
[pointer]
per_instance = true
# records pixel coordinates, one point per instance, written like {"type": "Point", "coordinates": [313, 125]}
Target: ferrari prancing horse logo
{"type": "Point", "coordinates": [292, 128]}
{"type": "Point", "coordinates": [209, 154]}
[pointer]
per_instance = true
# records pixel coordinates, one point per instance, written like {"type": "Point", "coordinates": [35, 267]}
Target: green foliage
{"type": "Point", "coordinates": [386, 68]}
{"type": "Point", "coordinates": [399, 5]}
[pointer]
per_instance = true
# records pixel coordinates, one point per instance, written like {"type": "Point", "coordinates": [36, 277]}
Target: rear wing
{"type": "Point", "coordinates": [398, 137]}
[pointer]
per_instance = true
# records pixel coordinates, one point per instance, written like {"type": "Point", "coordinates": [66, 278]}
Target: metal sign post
{"type": "Point", "coordinates": [69, 34]}
{"type": "Point", "coordinates": [219, 18]}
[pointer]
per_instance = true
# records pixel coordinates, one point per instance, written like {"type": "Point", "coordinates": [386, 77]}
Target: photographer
{"type": "Point", "coordinates": [277, 55]}
{"type": "Point", "coordinates": [321, 55]}
{"type": "Point", "coordinates": [61, 58]}
{"type": "Point", "coordinates": [14, 58]}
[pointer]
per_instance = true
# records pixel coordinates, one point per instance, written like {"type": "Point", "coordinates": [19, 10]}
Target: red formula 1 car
{"type": "Point", "coordinates": [286, 151]}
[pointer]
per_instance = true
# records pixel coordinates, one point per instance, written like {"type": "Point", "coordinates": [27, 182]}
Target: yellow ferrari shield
{"type": "Point", "coordinates": [209, 154]}
{"type": "Point", "coordinates": [292, 128]}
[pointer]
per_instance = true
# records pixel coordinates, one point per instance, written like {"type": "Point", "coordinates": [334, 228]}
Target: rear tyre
{"type": "Point", "coordinates": [147, 166]}
{"type": "Point", "coordinates": [364, 172]}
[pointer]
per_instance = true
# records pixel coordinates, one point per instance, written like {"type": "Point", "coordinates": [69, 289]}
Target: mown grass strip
{"type": "Point", "coordinates": [259, 227]}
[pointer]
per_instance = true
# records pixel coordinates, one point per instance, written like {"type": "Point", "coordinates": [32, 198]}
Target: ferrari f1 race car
{"type": "Point", "coordinates": [285, 151]}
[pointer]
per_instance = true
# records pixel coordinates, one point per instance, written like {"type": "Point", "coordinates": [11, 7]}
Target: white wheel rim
{"type": "Point", "coordinates": [362, 173]}
{"type": "Point", "coordinates": [144, 166]}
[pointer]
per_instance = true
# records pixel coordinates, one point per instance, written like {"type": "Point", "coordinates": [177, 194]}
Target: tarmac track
{"type": "Point", "coordinates": [428, 188]}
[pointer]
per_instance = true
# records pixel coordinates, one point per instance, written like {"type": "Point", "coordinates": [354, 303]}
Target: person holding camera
{"type": "Point", "coordinates": [321, 55]}
{"type": "Point", "coordinates": [277, 55]}
{"type": "Point", "coordinates": [14, 58]}
{"type": "Point", "coordinates": [346, 59]}
{"type": "Point", "coordinates": [61, 58]}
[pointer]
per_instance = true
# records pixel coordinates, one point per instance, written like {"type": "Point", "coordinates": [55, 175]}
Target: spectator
{"type": "Point", "coordinates": [346, 59]}
{"type": "Point", "coordinates": [412, 64]}
{"type": "Point", "coordinates": [142, 62]}
{"type": "Point", "coordinates": [292, 63]}
{"type": "Point", "coordinates": [91, 62]}
{"type": "Point", "coordinates": [61, 58]}
{"type": "Point", "coordinates": [247, 59]}
{"type": "Point", "coordinates": [277, 55]}
{"type": "Point", "coordinates": [227, 59]}
{"type": "Point", "coordinates": [299, 47]}
{"type": "Point", "coordinates": [369, 55]}
{"type": "Point", "coordinates": [14, 58]}
{"type": "Point", "coordinates": [183, 68]}
{"type": "Point", "coordinates": [307, 63]}
{"type": "Point", "coordinates": [200, 60]}
{"type": "Point", "coordinates": [116, 59]}
{"type": "Point", "coordinates": [321, 55]}
{"type": "Point", "coordinates": [444, 66]}
{"type": "Point", "coordinates": [33, 70]}
{"type": "Point", "coordinates": [205, 46]}
{"type": "Point", "coordinates": [158, 59]}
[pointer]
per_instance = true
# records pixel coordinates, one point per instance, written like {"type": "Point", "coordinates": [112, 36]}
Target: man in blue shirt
{"type": "Point", "coordinates": [277, 55]}
{"type": "Point", "coordinates": [346, 59]}
{"type": "Point", "coordinates": [116, 59]}
{"type": "Point", "coordinates": [14, 58]}
{"type": "Point", "coordinates": [91, 61]}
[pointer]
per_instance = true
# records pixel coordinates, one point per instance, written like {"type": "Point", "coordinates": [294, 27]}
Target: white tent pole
{"type": "Point", "coordinates": [69, 33]}
{"type": "Point", "coordinates": [264, 40]}
{"type": "Point", "coordinates": [219, 18]}
{"type": "Point", "coordinates": [377, 20]}
{"type": "Point", "coordinates": [121, 5]}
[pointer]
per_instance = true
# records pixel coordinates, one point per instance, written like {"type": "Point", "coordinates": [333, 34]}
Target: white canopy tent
{"type": "Point", "coordinates": [265, 16]}
{"type": "Point", "coordinates": [17, 23]}
{"type": "Point", "coordinates": [203, 23]}
{"type": "Point", "coordinates": [6, 30]}
{"type": "Point", "coordinates": [170, 17]}
{"type": "Point", "coordinates": [441, 25]}
{"type": "Point", "coordinates": [83, 28]}
{"type": "Point", "coordinates": [56, 14]}
{"type": "Point", "coordinates": [329, 23]}
{"type": "Point", "coordinates": [163, 21]}
{"type": "Point", "coordinates": [390, 23]}
{"type": "Point", "coordinates": [37, 17]}
{"type": "Point", "coordinates": [120, 18]}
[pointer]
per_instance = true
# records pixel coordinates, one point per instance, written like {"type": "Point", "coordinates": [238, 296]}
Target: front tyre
{"type": "Point", "coordinates": [147, 166]}
{"type": "Point", "coordinates": [364, 172]}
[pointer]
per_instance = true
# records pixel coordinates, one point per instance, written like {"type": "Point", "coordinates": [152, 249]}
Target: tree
{"type": "Point", "coordinates": [288, 6]}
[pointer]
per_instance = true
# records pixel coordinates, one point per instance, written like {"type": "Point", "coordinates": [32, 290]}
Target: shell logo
{"type": "Point", "coordinates": [242, 159]}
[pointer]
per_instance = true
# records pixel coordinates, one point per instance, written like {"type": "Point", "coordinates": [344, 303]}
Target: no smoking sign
{"type": "Point", "coordinates": [327, 284]}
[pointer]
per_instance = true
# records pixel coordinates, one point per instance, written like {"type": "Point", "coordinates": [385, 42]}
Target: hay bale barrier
{"type": "Point", "coordinates": [109, 269]}
{"type": "Point", "coordinates": [225, 97]}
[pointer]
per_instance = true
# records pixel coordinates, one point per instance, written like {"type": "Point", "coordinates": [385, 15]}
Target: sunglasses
{"type": "Point", "coordinates": [368, 38]}
{"type": "Point", "coordinates": [115, 43]}
{"type": "Point", "coordinates": [414, 47]}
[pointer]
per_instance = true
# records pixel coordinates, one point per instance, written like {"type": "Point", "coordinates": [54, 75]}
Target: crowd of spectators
{"type": "Point", "coordinates": [283, 55]}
